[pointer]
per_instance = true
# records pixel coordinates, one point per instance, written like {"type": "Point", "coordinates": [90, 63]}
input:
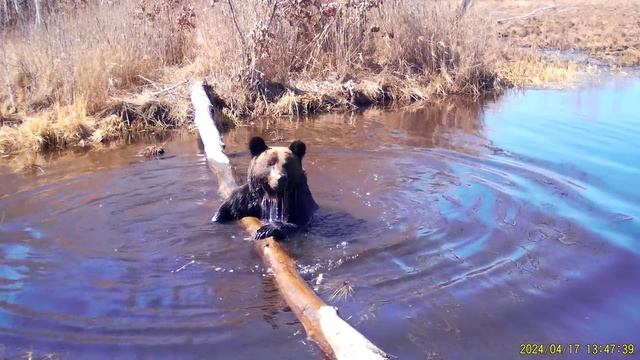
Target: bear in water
{"type": "Point", "coordinates": [276, 191]}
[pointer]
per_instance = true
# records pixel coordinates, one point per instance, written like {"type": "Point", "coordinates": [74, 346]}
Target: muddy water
{"type": "Point", "coordinates": [465, 229]}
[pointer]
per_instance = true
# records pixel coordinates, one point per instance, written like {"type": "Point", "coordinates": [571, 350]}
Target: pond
{"type": "Point", "coordinates": [465, 228]}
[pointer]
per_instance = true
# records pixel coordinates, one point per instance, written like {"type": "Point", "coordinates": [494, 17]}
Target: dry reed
{"type": "Point", "coordinates": [121, 66]}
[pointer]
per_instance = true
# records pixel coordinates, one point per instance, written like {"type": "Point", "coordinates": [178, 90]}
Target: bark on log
{"type": "Point", "coordinates": [335, 337]}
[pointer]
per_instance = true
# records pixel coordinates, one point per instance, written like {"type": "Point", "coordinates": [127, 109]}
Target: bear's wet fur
{"type": "Point", "coordinates": [276, 191]}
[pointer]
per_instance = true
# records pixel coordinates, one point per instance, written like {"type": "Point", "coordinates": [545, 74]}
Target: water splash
{"type": "Point", "coordinates": [275, 208]}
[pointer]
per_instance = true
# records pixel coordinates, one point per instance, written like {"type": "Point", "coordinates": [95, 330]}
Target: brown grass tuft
{"type": "Point", "coordinates": [64, 126]}
{"type": "Point", "coordinates": [535, 71]}
{"type": "Point", "coordinates": [343, 291]}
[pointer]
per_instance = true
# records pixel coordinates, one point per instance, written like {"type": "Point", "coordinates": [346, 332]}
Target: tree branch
{"type": "Point", "coordinates": [240, 34]}
{"type": "Point", "coordinates": [529, 14]}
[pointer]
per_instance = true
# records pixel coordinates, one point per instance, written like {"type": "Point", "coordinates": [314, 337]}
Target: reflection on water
{"type": "Point", "coordinates": [465, 229]}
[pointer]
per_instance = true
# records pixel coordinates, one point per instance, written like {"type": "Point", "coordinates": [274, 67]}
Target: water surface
{"type": "Point", "coordinates": [466, 228]}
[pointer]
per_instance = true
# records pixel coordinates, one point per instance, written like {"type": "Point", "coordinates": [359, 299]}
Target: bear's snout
{"type": "Point", "coordinates": [279, 182]}
{"type": "Point", "coordinates": [283, 181]}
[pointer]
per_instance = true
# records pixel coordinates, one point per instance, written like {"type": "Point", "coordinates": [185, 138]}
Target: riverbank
{"type": "Point", "coordinates": [605, 31]}
{"type": "Point", "coordinates": [94, 73]}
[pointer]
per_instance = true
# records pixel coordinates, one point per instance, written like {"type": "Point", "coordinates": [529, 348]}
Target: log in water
{"type": "Point", "coordinates": [336, 338]}
{"type": "Point", "coordinates": [465, 228]}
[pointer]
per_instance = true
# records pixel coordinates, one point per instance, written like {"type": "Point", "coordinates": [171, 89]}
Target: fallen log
{"type": "Point", "coordinates": [527, 15]}
{"type": "Point", "coordinates": [335, 337]}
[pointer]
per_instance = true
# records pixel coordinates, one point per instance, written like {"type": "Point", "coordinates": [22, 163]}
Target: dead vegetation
{"type": "Point", "coordinates": [533, 70]}
{"type": "Point", "coordinates": [342, 291]}
{"type": "Point", "coordinates": [608, 31]}
{"type": "Point", "coordinates": [93, 71]}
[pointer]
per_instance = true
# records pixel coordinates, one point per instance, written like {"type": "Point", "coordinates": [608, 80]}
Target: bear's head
{"type": "Point", "coordinates": [276, 169]}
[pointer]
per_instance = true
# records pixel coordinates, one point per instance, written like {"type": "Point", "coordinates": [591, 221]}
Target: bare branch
{"type": "Point", "coordinates": [169, 88]}
{"type": "Point", "coordinates": [273, 13]}
{"type": "Point", "coordinates": [17, 7]}
{"type": "Point", "coordinates": [6, 11]}
{"type": "Point", "coordinates": [464, 5]}
{"type": "Point", "coordinates": [529, 14]}
{"type": "Point", "coordinates": [240, 34]}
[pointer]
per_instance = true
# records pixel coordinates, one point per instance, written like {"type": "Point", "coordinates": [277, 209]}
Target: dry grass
{"type": "Point", "coordinates": [342, 291]}
{"type": "Point", "coordinates": [122, 66]}
{"type": "Point", "coordinates": [318, 49]}
{"type": "Point", "coordinates": [606, 30]}
{"type": "Point", "coordinates": [90, 55]}
{"type": "Point", "coordinates": [535, 71]}
{"type": "Point", "coordinates": [60, 128]}
{"type": "Point", "coordinates": [59, 78]}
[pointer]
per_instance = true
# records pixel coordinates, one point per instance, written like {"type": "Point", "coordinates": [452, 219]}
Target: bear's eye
{"type": "Point", "coordinates": [271, 162]}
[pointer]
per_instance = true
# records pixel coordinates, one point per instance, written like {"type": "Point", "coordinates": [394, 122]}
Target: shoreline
{"type": "Point", "coordinates": [147, 114]}
{"type": "Point", "coordinates": [95, 99]}
{"type": "Point", "coordinates": [141, 117]}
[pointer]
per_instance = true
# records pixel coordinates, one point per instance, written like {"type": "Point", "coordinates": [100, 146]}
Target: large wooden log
{"type": "Point", "coordinates": [335, 337]}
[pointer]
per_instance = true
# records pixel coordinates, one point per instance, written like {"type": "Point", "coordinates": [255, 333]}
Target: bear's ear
{"type": "Point", "coordinates": [299, 148]}
{"type": "Point", "coordinates": [257, 146]}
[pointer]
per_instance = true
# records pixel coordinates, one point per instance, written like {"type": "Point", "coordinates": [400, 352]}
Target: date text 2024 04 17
{"type": "Point", "coordinates": [577, 348]}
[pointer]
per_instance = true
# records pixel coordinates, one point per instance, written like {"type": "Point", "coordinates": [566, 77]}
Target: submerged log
{"type": "Point", "coordinates": [335, 337]}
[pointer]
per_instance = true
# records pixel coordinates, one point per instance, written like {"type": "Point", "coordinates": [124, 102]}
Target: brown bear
{"type": "Point", "coordinates": [276, 191]}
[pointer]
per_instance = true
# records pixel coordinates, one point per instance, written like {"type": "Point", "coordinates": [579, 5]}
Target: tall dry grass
{"type": "Point", "coordinates": [88, 55]}
{"type": "Point", "coordinates": [110, 60]}
{"type": "Point", "coordinates": [408, 49]}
